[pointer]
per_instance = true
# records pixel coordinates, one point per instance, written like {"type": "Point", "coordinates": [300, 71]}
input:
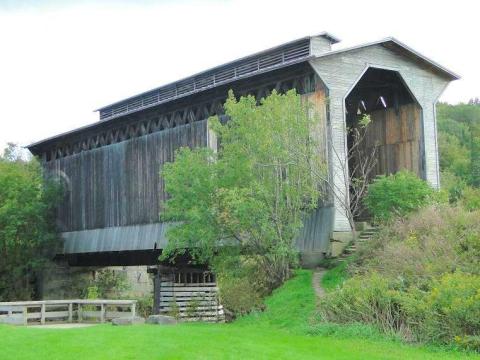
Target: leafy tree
{"type": "Point", "coordinates": [475, 152]}
{"type": "Point", "coordinates": [251, 195]}
{"type": "Point", "coordinates": [459, 140]}
{"type": "Point", "coordinates": [27, 231]}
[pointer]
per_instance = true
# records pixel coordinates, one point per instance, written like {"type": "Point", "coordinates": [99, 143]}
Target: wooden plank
{"type": "Point", "coordinates": [200, 313]}
{"type": "Point", "coordinates": [11, 308]}
{"type": "Point", "coordinates": [91, 314]}
{"type": "Point", "coordinates": [190, 289]}
{"type": "Point", "coordinates": [56, 314]}
{"type": "Point", "coordinates": [403, 124]}
{"type": "Point", "coordinates": [187, 302]}
{"type": "Point", "coordinates": [199, 308]}
{"type": "Point", "coordinates": [188, 295]}
{"type": "Point", "coordinates": [172, 284]}
{"type": "Point", "coordinates": [34, 316]}
{"type": "Point", "coordinates": [116, 314]}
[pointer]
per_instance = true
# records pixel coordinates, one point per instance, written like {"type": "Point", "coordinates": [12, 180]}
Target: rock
{"type": "Point", "coordinates": [229, 316]}
{"type": "Point", "coordinates": [161, 320]}
{"type": "Point", "coordinates": [128, 320]}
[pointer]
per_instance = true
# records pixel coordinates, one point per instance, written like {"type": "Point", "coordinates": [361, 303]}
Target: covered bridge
{"type": "Point", "coordinates": [111, 169]}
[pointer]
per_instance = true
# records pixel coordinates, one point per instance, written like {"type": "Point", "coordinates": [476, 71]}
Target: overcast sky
{"type": "Point", "coordinates": [60, 60]}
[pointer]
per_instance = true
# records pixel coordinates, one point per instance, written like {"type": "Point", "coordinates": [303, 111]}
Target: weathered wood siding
{"type": "Point", "coordinates": [120, 184]}
{"type": "Point", "coordinates": [115, 190]}
{"type": "Point", "coordinates": [398, 138]}
{"type": "Point", "coordinates": [318, 102]}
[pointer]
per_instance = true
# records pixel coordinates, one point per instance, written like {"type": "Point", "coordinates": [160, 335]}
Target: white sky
{"type": "Point", "coordinates": [60, 60]}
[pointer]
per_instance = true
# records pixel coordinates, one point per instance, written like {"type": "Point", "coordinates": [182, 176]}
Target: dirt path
{"type": "Point", "coordinates": [317, 282]}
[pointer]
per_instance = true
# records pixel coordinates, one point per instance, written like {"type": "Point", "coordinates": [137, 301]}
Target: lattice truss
{"type": "Point", "coordinates": [153, 120]}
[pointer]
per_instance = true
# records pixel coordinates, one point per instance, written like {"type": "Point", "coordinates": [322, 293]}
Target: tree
{"type": "Point", "coordinates": [355, 169]}
{"type": "Point", "coordinates": [251, 195]}
{"type": "Point", "coordinates": [27, 231]}
{"type": "Point", "coordinates": [475, 153]}
{"type": "Point", "coordinates": [459, 144]}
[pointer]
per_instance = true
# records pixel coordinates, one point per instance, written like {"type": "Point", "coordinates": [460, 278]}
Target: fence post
{"type": "Point", "coordinates": [133, 310]}
{"type": "Point", "coordinates": [79, 313]}
{"type": "Point", "coordinates": [102, 313]}
{"type": "Point", "coordinates": [70, 312]}
{"type": "Point", "coordinates": [25, 319]}
{"type": "Point", "coordinates": [42, 314]}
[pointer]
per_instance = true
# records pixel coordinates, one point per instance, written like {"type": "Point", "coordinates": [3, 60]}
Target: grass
{"type": "Point", "coordinates": [286, 330]}
{"type": "Point", "coordinates": [335, 276]}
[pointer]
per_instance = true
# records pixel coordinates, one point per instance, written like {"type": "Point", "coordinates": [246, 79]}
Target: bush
{"type": "Point", "coordinates": [108, 284]}
{"type": "Point", "coordinates": [458, 192]}
{"type": "Point", "coordinates": [453, 308]}
{"type": "Point", "coordinates": [470, 198]}
{"type": "Point", "coordinates": [371, 299]}
{"type": "Point", "coordinates": [418, 278]}
{"type": "Point", "coordinates": [145, 305]}
{"type": "Point", "coordinates": [435, 240]}
{"type": "Point", "coordinates": [448, 313]}
{"type": "Point", "coordinates": [239, 296]}
{"type": "Point", "coordinates": [397, 195]}
{"type": "Point", "coordinates": [174, 309]}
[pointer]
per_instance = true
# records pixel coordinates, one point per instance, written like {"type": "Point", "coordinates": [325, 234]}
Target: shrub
{"type": "Point", "coordinates": [397, 194]}
{"type": "Point", "coordinates": [425, 245]}
{"type": "Point", "coordinates": [238, 295]}
{"type": "Point", "coordinates": [174, 309]}
{"type": "Point", "coordinates": [470, 198]}
{"type": "Point", "coordinates": [448, 313]}
{"type": "Point", "coordinates": [193, 306]}
{"type": "Point", "coordinates": [107, 284]}
{"type": "Point", "coordinates": [454, 309]}
{"type": "Point", "coordinates": [371, 299]}
{"type": "Point", "coordinates": [418, 278]}
{"type": "Point", "coordinates": [92, 293]}
{"type": "Point", "coordinates": [145, 305]}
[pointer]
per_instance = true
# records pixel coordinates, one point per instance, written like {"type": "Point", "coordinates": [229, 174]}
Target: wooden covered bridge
{"type": "Point", "coordinates": [111, 169]}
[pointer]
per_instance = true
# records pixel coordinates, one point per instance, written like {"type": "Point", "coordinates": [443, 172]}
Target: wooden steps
{"type": "Point", "coordinates": [365, 235]}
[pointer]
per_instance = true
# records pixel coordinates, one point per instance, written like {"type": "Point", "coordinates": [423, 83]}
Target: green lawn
{"type": "Point", "coordinates": [335, 276]}
{"type": "Point", "coordinates": [284, 331]}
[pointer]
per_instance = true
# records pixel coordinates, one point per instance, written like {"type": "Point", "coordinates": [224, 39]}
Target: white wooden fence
{"type": "Point", "coordinates": [25, 312]}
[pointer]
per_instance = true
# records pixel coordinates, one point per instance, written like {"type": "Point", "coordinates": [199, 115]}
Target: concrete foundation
{"type": "Point", "coordinates": [62, 281]}
{"type": "Point", "coordinates": [339, 241]}
{"type": "Point", "coordinates": [312, 259]}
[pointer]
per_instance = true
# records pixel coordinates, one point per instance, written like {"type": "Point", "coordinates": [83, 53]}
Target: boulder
{"type": "Point", "coordinates": [161, 320]}
{"type": "Point", "coordinates": [128, 320]}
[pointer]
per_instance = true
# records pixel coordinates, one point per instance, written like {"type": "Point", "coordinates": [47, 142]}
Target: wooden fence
{"type": "Point", "coordinates": [26, 312]}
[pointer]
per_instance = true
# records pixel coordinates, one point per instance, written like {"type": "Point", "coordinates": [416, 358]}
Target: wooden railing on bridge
{"type": "Point", "coordinates": [25, 312]}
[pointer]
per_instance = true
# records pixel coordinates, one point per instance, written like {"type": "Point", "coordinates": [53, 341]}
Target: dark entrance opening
{"type": "Point", "coordinates": [394, 136]}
